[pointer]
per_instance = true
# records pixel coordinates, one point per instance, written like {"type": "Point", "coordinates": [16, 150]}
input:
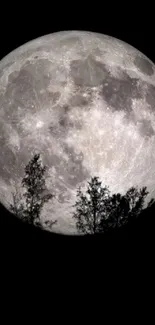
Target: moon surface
{"type": "Point", "coordinates": [86, 103]}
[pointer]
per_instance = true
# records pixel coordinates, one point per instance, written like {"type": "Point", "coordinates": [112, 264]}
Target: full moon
{"type": "Point", "coordinates": [85, 102]}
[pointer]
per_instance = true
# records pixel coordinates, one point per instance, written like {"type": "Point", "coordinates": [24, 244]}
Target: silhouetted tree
{"type": "Point", "coordinates": [124, 208]}
{"type": "Point", "coordinates": [135, 199]}
{"type": "Point", "coordinates": [114, 209]}
{"type": "Point", "coordinates": [35, 195]}
{"type": "Point", "coordinates": [17, 207]}
{"type": "Point", "coordinates": [98, 211]}
{"type": "Point", "coordinates": [151, 203]}
{"type": "Point", "coordinates": [90, 207]}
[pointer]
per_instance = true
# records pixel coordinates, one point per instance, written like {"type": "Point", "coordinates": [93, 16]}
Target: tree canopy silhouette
{"type": "Point", "coordinates": [89, 211]}
{"type": "Point", "coordinates": [125, 208]}
{"type": "Point", "coordinates": [98, 211]}
{"type": "Point", "coordinates": [35, 195]}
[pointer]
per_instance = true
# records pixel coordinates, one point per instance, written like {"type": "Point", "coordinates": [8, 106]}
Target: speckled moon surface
{"type": "Point", "coordinates": [86, 102]}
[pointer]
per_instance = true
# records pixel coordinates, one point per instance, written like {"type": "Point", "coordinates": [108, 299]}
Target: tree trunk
{"type": "Point", "coordinates": [94, 223]}
{"type": "Point", "coordinates": [31, 216]}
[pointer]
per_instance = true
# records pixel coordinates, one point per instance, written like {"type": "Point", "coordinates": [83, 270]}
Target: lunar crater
{"type": "Point", "coordinates": [144, 65]}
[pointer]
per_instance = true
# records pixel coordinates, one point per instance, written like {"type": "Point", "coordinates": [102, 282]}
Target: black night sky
{"type": "Point", "coordinates": [25, 26]}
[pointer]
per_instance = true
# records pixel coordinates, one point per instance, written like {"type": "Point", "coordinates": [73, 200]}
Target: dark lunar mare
{"type": "Point", "coordinates": [144, 65]}
{"type": "Point", "coordinates": [118, 93]}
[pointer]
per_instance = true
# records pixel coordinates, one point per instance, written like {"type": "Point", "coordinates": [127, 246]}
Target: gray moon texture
{"type": "Point", "coordinates": [86, 103]}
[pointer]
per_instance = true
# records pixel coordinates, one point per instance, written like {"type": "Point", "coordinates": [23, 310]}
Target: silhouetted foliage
{"type": "Point", "coordinates": [135, 201]}
{"type": "Point", "coordinates": [102, 211]}
{"type": "Point", "coordinates": [90, 210]}
{"type": "Point", "coordinates": [35, 195]}
{"type": "Point", "coordinates": [116, 208]}
{"type": "Point", "coordinates": [125, 208]}
{"type": "Point", "coordinates": [151, 203]}
{"type": "Point", "coordinates": [17, 207]}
